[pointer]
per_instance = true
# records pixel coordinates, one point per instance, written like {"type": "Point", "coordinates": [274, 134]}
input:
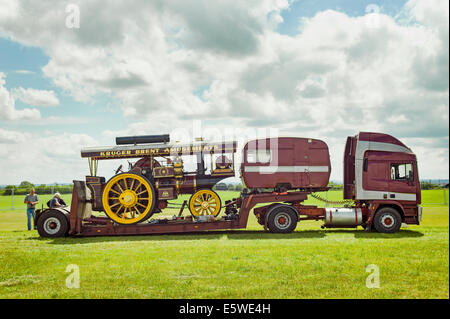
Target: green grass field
{"type": "Point", "coordinates": [309, 263]}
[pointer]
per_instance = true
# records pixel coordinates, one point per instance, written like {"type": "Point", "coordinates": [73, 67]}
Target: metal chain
{"type": "Point", "coordinates": [345, 203]}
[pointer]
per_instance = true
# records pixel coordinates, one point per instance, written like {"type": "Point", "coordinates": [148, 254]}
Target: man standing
{"type": "Point", "coordinates": [31, 200]}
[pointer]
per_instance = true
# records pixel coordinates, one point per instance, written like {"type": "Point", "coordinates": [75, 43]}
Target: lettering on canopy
{"type": "Point", "coordinates": [140, 151]}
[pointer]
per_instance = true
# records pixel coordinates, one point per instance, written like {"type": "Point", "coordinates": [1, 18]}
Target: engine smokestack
{"type": "Point", "coordinates": [143, 139]}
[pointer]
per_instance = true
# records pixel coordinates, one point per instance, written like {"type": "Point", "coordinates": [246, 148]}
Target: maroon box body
{"type": "Point", "coordinates": [287, 162]}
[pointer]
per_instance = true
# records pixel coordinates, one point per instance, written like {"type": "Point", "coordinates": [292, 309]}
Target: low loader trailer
{"type": "Point", "coordinates": [381, 187]}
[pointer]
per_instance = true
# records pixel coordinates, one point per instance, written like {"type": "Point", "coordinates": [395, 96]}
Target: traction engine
{"type": "Point", "coordinates": [157, 177]}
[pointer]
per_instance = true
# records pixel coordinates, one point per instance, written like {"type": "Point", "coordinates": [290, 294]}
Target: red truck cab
{"type": "Point", "coordinates": [379, 170]}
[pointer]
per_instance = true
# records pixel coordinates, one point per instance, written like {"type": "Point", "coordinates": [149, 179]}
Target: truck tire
{"type": "Point", "coordinates": [52, 224]}
{"type": "Point", "coordinates": [282, 219]}
{"type": "Point", "coordinates": [387, 220]}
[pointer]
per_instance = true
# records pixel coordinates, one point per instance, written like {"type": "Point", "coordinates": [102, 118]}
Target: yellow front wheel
{"type": "Point", "coordinates": [128, 198]}
{"type": "Point", "coordinates": [205, 202]}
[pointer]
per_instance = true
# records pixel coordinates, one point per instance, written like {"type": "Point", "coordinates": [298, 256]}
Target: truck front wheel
{"type": "Point", "coordinates": [387, 220]}
{"type": "Point", "coordinates": [282, 219]}
{"type": "Point", "coordinates": [52, 224]}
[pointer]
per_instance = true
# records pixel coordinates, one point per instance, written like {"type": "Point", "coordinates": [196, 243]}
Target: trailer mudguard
{"type": "Point", "coordinates": [63, 210]}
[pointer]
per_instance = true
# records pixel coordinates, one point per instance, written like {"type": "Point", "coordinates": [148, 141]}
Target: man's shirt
{"type": "Point", "coordinates": [55, 201]}
{"type": "Point", "coordinates": [31, 198]}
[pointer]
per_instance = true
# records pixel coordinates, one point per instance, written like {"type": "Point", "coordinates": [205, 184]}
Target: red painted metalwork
{"type": "Point", "coordinates": [382, 154]}
{"type": "Point", "coordinates": [294, 163]}
{"type": "Point", "coordinates": [349, 168]}
{"type": "Point", "coordinates": [98, 226]}
{"type": "Point", "coordinates": [380, 138]}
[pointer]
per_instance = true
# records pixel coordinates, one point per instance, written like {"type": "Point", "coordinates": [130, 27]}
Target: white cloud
{"type": "Point", "coordinates": [431, 13]}
{"type": "Point", "coordinates": [8, 110]}
{"type": "Point", "coordinates": [8, 9]}
{"type": "Point", "coordinates": [35, 97]}
{"type": "Point", "coordinates": [24, 72]}
{"type": "Point", "coordinates": [12, 137]}
{"type": "Point", "coordinates": [337, 76]}
{"type": "Point", "coordinates": [45, 158]}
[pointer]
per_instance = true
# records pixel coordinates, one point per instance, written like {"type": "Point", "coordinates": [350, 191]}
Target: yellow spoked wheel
{"type": "Point", "coordinates": [205, 202]}
{"type": "Point", "coordinates": [128, 199]}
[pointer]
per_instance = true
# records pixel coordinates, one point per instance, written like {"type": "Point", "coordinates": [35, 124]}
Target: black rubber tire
{"type": "Point", "coordinates": [290, 218]}
{"type": "Point", "coordinates": [46, 218]}
{"type": "Point", "coordinates": [381, 218]}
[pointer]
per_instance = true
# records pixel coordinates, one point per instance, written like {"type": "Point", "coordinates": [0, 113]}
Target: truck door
{"type": "Point", "coordinates": [402, 179]}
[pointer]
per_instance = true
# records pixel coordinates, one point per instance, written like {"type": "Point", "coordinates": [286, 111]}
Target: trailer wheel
{"type": "Point", "coordinates": [52, 224]}
{"type": "Point", "coordinates": [387, 220]}
{"type": "Point", "coordinates": [282, 219]}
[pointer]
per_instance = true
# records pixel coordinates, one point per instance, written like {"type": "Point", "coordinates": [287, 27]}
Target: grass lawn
{"type": "Point", "coordinates": [309, 263]}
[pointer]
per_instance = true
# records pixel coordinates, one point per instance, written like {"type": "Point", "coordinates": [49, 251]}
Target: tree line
{"type": "Point", "coordinates": [429, 185]}
{"type": "Point", "coordinates": [42, 189]}
{"type": "Point", "coordinates": [25, 186]}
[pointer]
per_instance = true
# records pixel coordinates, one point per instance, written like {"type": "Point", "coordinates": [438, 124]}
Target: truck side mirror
{"type": "Point", "coordinates": [365, 164]}
{"type": "Point", "coordinates": [410, 176]}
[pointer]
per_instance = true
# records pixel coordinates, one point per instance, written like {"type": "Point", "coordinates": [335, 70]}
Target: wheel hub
{"type": "Point", "coordinates": [52, 225]}
{"type": "Point", "coordinates": [283, 220]}
{"type": "Point", "coordinates": [387, 221]}
{"type": "Point", "coordinates": [128, 198]}
{"type": "Point", "coordinates": [205, 205]}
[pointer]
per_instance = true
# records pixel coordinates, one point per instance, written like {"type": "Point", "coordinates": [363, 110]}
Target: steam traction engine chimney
{"type": "Point", "coordinates": [143, 139]}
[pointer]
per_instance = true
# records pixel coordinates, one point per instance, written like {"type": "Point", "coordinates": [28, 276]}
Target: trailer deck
{"type": "Point", "coordinates": [82, 223]}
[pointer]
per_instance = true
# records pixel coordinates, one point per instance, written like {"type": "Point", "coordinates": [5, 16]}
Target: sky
{"type": "Point", "coordinates": [77, 74]}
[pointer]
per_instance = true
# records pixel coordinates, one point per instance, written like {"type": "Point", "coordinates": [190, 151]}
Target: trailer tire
{"type": "Point", "coordinates": [52, 224]}
{"type": "Point", "coordinates": [387, 220]}
{"type": "Point", "coordinates": [282, 219]}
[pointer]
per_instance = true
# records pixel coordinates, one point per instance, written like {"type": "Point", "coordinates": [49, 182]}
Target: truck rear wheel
{"type": "Point", "coordinates": [52, 224]}
{"type": "Point", "coordinates": [282, 219]}
{"type": "Point", "coordinates": [387, 220]}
